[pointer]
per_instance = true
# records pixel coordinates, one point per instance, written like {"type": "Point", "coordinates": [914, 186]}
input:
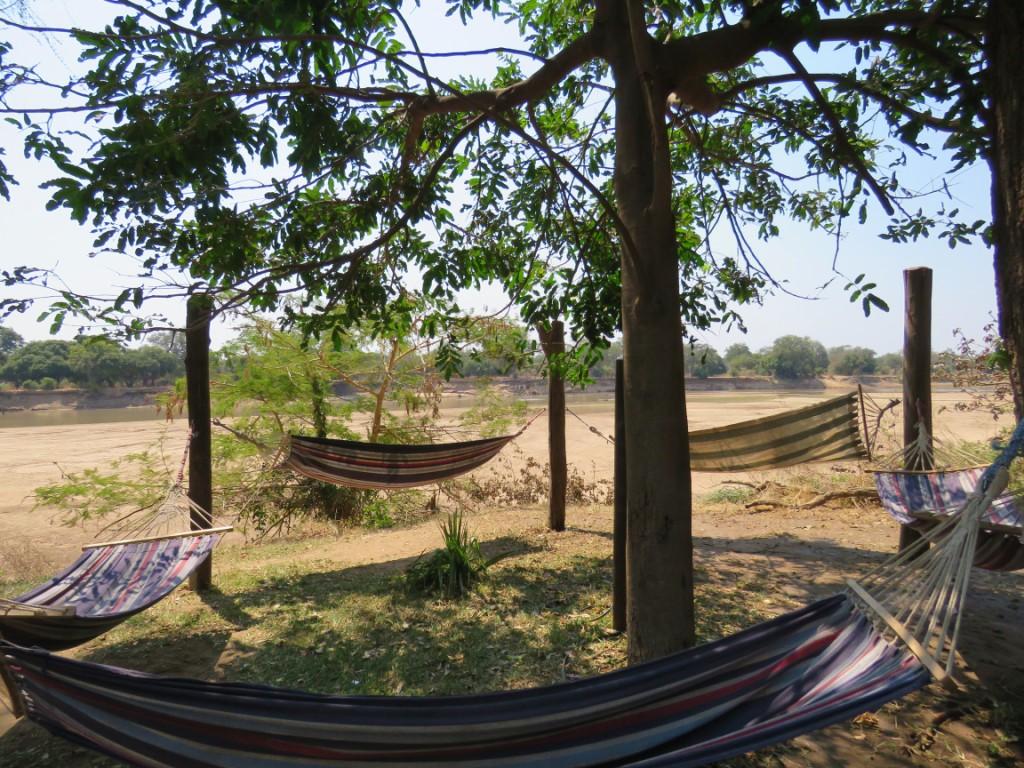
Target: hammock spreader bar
{"type": "Point", "coordinates": [104, 586]}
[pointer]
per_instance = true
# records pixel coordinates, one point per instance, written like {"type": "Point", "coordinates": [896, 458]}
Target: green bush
{"type": "Point", "coordinates": [48, 383]}
{"type": "Point", "coordinates": [30, 384]}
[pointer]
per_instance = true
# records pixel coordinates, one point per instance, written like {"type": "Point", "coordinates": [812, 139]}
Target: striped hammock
{"type": "Point", "coordinates": [826, 431]}
{"type": "Point", "coordinates": [379, 465]}
{"type": "Point", "coordinates": [102, 588]}
{"type": "Point", "coordinates": [919, 498]}
{"type": "Point", "coordinates": [799, 672]}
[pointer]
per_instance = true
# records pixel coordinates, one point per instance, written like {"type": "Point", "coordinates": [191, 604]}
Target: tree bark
{"type": "Point", "coordinates": [659, 547]}
{"type": "Point", "coordinates": [552, 341]}
{"type": "Point", "coordinates": [200, 462]}
{"type": "Point", "coordinates": [917, 369]}
{"type": "Point", "coordinates": [1005, 42]}
{"type": "Point", "coordinates": [619, 533]}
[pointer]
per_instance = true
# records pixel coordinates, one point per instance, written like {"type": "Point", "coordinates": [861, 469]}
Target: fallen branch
{"type": "Point", "coordinates": [817, 501]}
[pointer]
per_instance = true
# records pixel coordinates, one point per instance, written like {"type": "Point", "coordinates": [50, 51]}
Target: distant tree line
{"type": "Point", "coordinates": [89, 362]}
{"type": "Point", "coordinates": [788, 357]}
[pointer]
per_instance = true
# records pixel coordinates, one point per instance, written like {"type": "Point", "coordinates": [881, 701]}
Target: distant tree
{"type": "Point", "coordinates": [500, 348]}
{"type": "Point", "coordinates": [889, 364]}
{"type": "Point", "coordinates": [703, 361]}
{"type": "Point", "coordinates": [38, 359]}
{"type": "Point", "coordinates": [605, 367]}
{"type": "Point", "coordinates": [9, 341]}
{"type": "Point", "coordinates": [741, 360]}
{"type": "Point", "coordinates": [149, 365]}
{"type": "Point", "coordinates": [852, 361]}
{"type": "Point", "coordinates": [169, 341]}
{"type": "Point", "coordinates": [796, 357]}
{"type": "Point", "coordinates": [734, 351]}
{"type": "Point", "coordinates": [97, 362]}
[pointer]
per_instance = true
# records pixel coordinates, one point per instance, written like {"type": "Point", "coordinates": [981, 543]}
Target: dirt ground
{"type": "Point", "coordinates": [807, 554]}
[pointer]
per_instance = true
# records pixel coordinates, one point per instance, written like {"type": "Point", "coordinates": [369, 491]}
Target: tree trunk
{"type": "Point", "coordinates": [1005, 43]}
{"type": "Point", "coordinates": [552, 341]}
{"type": "Point", "coordinates": [382, 394]}
{"type": "Point", "coordinates": [200, 462]}
{"type": "Point", "coordinates": [659, 547]}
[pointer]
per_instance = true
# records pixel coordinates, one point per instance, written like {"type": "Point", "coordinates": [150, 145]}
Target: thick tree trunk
{"type": "Point", "coordinates": [659, 547]}
{"type": "Point", "coordinates": [1005, 43]}
{"type": "Point", "coordinates": [552, 341]}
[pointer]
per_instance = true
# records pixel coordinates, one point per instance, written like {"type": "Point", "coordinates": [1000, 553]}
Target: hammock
{"type": "Point", "coordinates": [920, 495]}
{"type": "Point", "coordinates": [106, 585]}
{"type": "Point", "coordinates": [827, 431]}
{"type": "Point", "coordinates": [918, 498]}
{"type": "Point", "coordinates": [380, 465]}
{"type": "Point", "coordinates": [885, 637]}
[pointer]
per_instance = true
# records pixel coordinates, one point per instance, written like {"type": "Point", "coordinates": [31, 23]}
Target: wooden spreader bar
{"type": "Point", "coordinates": [145, 539]}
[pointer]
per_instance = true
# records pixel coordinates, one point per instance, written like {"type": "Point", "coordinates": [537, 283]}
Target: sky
{"type": "Point", "coordinates": [964, 293]}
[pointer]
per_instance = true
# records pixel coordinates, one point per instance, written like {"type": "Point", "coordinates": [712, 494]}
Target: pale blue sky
{"type": "Point", "coordinates": [964, 293]}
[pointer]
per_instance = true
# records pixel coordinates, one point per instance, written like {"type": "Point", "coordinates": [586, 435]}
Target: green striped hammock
{"type": "Point", "coordinates": [826, 431]}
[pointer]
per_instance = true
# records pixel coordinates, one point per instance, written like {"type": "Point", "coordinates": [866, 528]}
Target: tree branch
{"type": "Point", "coordinates": [854, 158]}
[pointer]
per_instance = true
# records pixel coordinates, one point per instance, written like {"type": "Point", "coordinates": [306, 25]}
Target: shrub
{"type": "Point", "coordinates": [48, 383]}
{"type": "Point", "coordinates": [30, 384]}
{"type": "Point", "coordinates": [452, 570]}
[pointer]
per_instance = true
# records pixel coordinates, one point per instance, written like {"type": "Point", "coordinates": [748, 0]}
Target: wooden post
{"type": "Point", "coordinates": [619, 520]}
{"type": "Point", "coordinates": [917, 367]}
{"type": "Point", "coordinates": [552, 341]}
{"type": "Point", "coordinates": [200, 465]}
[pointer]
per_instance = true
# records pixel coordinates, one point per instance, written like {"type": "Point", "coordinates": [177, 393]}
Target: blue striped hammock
{"type": "Point", "coordinates": [802, 671]}
{"type": "Point", "coordinates": [106, 585]}
{"type": "Point", "coordinates": [919, 498]}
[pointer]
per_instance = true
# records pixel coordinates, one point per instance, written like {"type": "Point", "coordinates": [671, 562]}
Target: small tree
{"type": "Point", "coordinates": [889, 364]}
{"type": "Point", "coordinates": [10, 340]}
{"type": "Point", "coordinates": [796, 357]}
{"type": "Point", "coordinates": [704, 361]}
{"type": "Point", "coordinates": [852, 361]}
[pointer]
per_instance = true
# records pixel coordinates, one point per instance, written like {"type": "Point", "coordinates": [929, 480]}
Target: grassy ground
{"type": "Point", "coordinates": [283, 614]}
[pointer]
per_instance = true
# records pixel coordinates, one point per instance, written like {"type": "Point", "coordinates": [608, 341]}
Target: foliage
{"type": "Point", "coordinates": [37, 359]}
{"type": "Point", "coordinates": [852, 361]}
{"type": "Point", "coordinates": [978, 368]}
{"type": "Point", "coordinates": [493, 412]}
{"type": "Point", "coordinates": [501, 348]}
{"type": "Point", "coordinates": [357, 147]}
{"type": "Point", "coordinates": [795, 357]}
{"type": "Point", "coordinates": [889, 364]}
{"type": "Point", "coordinates": [91, 362]}
{"type": "Point", "coordinates": [10, 340]}
{"type": "Point", "coordinates": [703, 361]}
{"type": "Point", "coordinates": [453, 570]}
